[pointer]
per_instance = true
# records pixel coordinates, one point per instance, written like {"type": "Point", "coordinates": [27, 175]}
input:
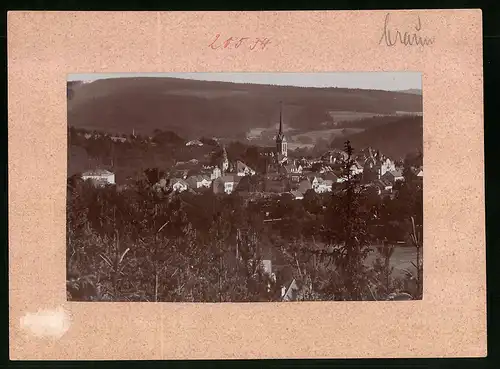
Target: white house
{"type": "Point", "coordinates": [118, 139]}
{"type": "Point", "coordinates": [199, 181]}
{"type": "Point", "coordinates": [194, 143]}
{"type": "Point", "coordinates": [386, 165]}
{"type": "Point", "coordinates": [293, 168]}
{"type": "Point", "coordinates": [213, 172]}
{"type": "Point", "coordinates": [178, 185]}
{"type": "Point", "coordinates": [100, 177]}
{"type": "Point", "coordinates": [229, 187]}
{"type": "Point", "coordinates": [320, 185]}
{"type": "Point", "coordinates": [225, 184]}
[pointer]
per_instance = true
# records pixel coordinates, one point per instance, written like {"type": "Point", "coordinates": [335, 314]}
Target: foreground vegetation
{"type": "Point", "coordinates": [146, 243]}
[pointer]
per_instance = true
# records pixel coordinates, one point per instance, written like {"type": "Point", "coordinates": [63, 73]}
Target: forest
{"type": "Point", "coordinates": [144, 243]}
{"type": "Point", "coordinates": [222, 109]}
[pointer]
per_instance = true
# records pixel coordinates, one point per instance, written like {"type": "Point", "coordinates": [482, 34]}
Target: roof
{"type": "Point", "coordinates": [194, 142]}
{"type": "Point", "coordinates": [228, 178]}
{"type": "Point", "coordinates": [209, 170]}
{"type": "Point", "coordinates": [241, 166]}
{"type": "Point", "coordinates": [396, 173]}
{"type": "Point", "coordinates": [383, 182]}
{"type": "Point", "coordinates": [178, 180]}
{"type": "Point", "coordinates": [291, 167]}
{"type": "Point", "coordinates": [97, 172]}
{"type": "Point", "coordinates": [318, 178]}
{"type": "Point", "coordinates": [198, 178]}
{"type": "Point", "coordinates": [282, 157]}
{"type": "Point", "coordinates": [297, 194]}
{"type": "Point", "coordinates": [331, 175]}
{"type": "Point", "coordinates": [289, 289]}
{"type": "Point", "coordinates": [311, 175]}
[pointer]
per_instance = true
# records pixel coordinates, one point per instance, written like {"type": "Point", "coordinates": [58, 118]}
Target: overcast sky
{"type": "Point", "coordinates": [391, 81]}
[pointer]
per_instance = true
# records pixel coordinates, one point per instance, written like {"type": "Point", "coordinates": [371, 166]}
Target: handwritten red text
{"type": "Point", "coordinates": [251, 43]}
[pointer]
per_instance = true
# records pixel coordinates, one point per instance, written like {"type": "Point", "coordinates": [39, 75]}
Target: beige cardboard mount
{"type": "Point", "coordinates": [44, 47]}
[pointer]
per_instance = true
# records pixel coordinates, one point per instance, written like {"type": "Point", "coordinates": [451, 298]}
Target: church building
{"type": "Point", "coordinates": [225, 161]}
{"type": "Point", "coordinates": [281, 143]}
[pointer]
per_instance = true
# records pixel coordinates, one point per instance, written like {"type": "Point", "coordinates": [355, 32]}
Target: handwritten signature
{"type": "Point", "coordinates": [407, 38]}
{"type": "Point", "coordinates": [251, 43]}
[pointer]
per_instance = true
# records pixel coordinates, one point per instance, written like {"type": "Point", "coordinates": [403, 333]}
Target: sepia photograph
{"type": "Point", "coordinates": [244, 187]}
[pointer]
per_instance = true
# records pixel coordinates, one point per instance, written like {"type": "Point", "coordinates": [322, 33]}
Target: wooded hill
{"type": "Point", "coordinates": [394, 137]}
{"type": "Point", "coordinates": [203, 108]}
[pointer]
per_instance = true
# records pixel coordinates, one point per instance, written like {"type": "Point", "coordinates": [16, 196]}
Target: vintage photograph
{"type": "Point", "coordinates": [244, 187]}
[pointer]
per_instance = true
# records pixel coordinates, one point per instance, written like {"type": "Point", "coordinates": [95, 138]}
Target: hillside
{"type": "Point", "coordinates": [395, 138]}
{"type": "Point", "coordinates": [202, 108]}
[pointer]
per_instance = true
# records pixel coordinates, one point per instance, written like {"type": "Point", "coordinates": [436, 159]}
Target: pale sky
{"type": "Point", "coordinates": [391, 81]}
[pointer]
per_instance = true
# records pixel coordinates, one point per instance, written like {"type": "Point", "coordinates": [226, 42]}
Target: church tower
{"type": "Point", "coordinates": [281, 144]}
{"type": "Point", "coordinates": [225, 161]}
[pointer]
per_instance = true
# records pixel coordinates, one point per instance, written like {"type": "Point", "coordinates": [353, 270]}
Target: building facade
{"type": "Point", "coordinates": [99, 177]}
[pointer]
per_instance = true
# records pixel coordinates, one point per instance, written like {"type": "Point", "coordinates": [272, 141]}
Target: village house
{"type": "Point", "coordinates": [293, 168]}
{"type": "Point", "coordinates": [386, 165]}
{"type": "Point", "coordinates": [161, 185]}
{"type": "Point", "coordinates": [194, 143]}
{"type": "Point", "coordinates": [378, 163]}
{"type": "Point", "coordinates": [276, 185]}
{"type": "Point", "coordinates": [384, 186]}
{"type": "Point", "coordinates": [243, 170]}
{"type": "Point", "coordinates": [297, 195]}
{"type": "Point", "coordinates": [357, 168]}
{"type": "Point", "coordinates": [213, 171]}
{"type": "Point", "coordinates": [324, 169]}
{"type": "Point", "coordinates": [320, 185]}
{"type": "Point", "coordinates": [178, 185]}
{"type": "Point", "coordinates": [99, 177]}
{"type": "Point", "coordinates": [393, 176]}
{"type": "Point", "coordinates": [180, 173]}
{"type": "Point", "coordinates": [334, 156]}
{"type": "Point", "coordinates": [267, 151]}
{"type": "Point", "coordinates": [192, 164]}
{"type": "Point", "coordinates": [225, 184]}
{"type": "Point", "coordinates": [118, 139]}
{"type": "Point", "coordinates": [199, 181]}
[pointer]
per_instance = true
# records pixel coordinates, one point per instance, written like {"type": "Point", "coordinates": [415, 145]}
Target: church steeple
{"type": "Point", "coordinates": [281, 144]}
{"type": "Point", "coordinates": [225, 161]}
